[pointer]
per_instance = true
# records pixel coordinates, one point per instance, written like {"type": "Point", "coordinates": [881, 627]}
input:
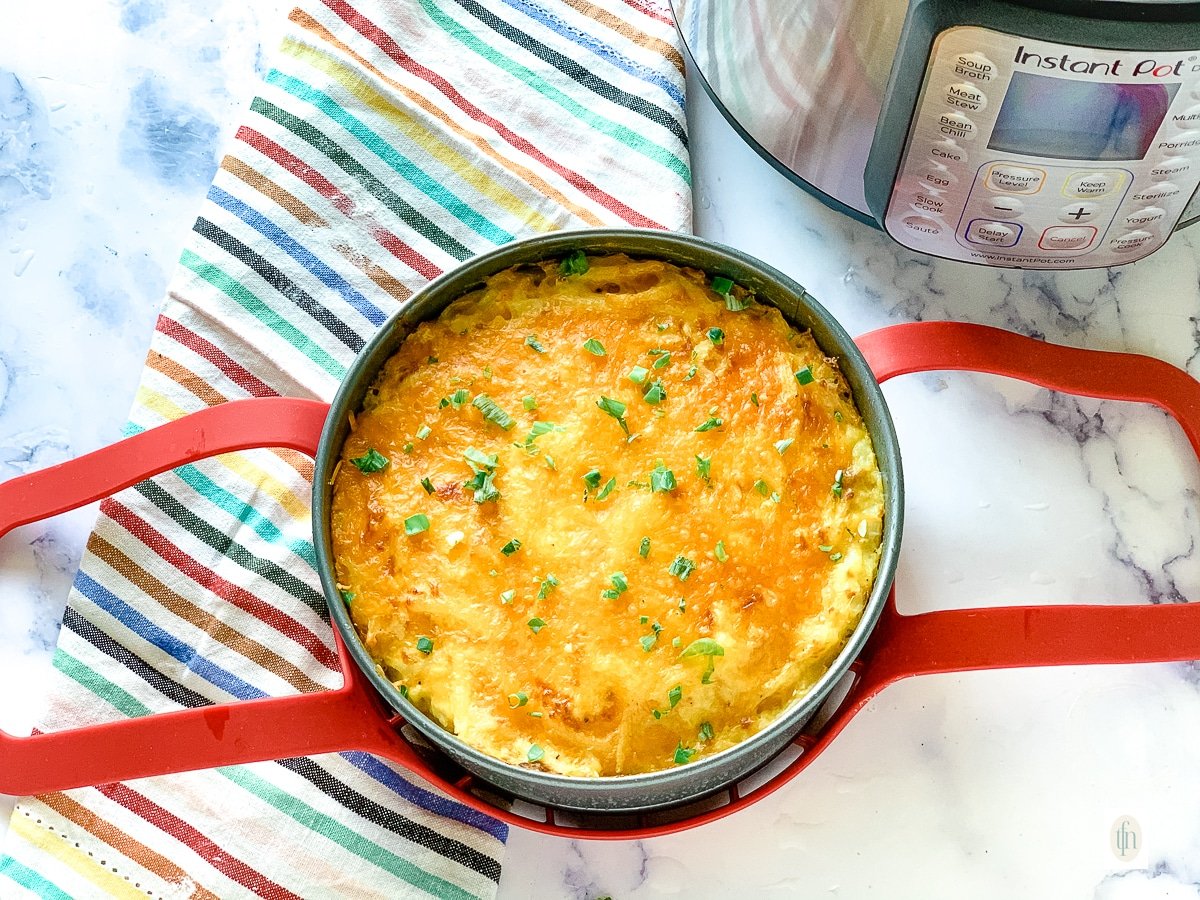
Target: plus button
{"type": "Point", "coordinates": [1077, 213]}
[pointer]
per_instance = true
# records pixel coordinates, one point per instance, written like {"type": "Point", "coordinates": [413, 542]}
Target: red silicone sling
{"type": "Point", "coordinates": [355, 718]}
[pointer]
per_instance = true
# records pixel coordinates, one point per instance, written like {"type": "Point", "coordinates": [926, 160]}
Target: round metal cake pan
{"type": "Point", "coordinates": [686, 783]}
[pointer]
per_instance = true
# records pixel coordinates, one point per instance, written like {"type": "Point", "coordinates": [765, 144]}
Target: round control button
{"type": "Point", "coordinates": [1170, 168]}
{"type": "Point", "coordinates": [949, 152]}
{"type": "Point", "coordinates": [965, 96]}
{"type": "Point", "coordinates": [922, 225]}
{"type": "Point", "coordinates": [1003, 207]}
{"type": "Point", "coordinates": [1093, 184]}
{"type": "Point", "coordinates": [984, 231]}
{"type": "Point", "coordinates": [1131, 241]}
{"type": "Point", "coordinates": [935, 175]}
{"type": "Point", "coordinates": [1156, 193]}
{"type": "Point", "coordinates": [929, 202]}
{"type": "Point", "coordinates": [1143, 218]}
{"type": "Point", "coordinates": [1185, 140]}
{"type": "Point", "coordinates": [1015, 179]}
{"type": "Point", "coordinates": [975, 67]}
{"type": "Point", "coordinates": [1189, 118]}
{"type": "Point", "coordinates": [958, 127]}
{"type": "Point", "coordinates": [1078, 213]}
{"type": "Point", "coordinates": [1067, 237]}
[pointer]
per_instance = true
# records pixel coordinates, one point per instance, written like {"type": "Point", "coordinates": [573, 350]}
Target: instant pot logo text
{"type": "Point", "coordinates": [1146, 68]}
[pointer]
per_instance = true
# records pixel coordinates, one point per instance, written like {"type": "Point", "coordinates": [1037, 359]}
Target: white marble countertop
{"type": "Point", "coordinates": [983, 785]}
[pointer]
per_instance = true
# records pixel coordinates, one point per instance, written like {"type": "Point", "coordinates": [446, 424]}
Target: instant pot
{"type": "Point", "coordinates": [1039, 135]}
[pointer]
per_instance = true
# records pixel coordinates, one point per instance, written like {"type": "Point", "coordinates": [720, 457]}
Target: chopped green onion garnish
{"type": "Point", "coordinates": [593, 346]}
{"type": "Point", "coordinates": [537, 624]}
{"type": "Point", "coordinates": [643, 619]}
{"type": "Point", "coordinates": [734, 303]}
{"type": "Point", "coordinates": [347, 597]}
{"type": "Point", "coordinates": [662, 479]}
{"type": "Point", "coordinates": [638, 374]}
{"type": "Point", "coordinates": [535, 752]}
{"type": "Point", "coordinates": [717, 336]}
{"type": "Point", "coordinates": [706, 731]}
{"type": "Point", "coordinates": [805, 376]}
{"type": "Point", "coordinates": [408, 448]}
{"type": "Point", "coordinates": [549, 461]}
{"type": "Point", "coordinates": [722, 285]}
{"type": "Point", "coordinates": [404, 691]}
{"type": "Point", "coordinates": [486, 461]}
{"type": "Point", "coordinates": [511, 547]}
{"type": "Point", "coordinates": [425, 645]}
{"type": "Point", "coordinates": [614, 408]}
{"type": "Point", "coordinates": [371, 462]}
{"type": "Point", "coordinates": [837, 415]}
{"type": "Point", "coordinates": [549, 583]}
{"type": "Point", "coordinates": [423, 432]}
{"type": "Point", "coordinates": [506, 597]}
{"type": "Point", "coordinates": [825, 548]}
{"type": "Point", "coordinates": [837, 484]}
{"type": "Point", "coordinates": [530, 404]}
{"type": "Point", "coordinates": [783, 445]}
{"type": "Point", "coordinates": [431, 360]}
{"type": "Point", "coordinates": [683, 754]}
{"type": "Point", "coordinates": [607, 489]}
{"type": "Point", "coordinates": [538, 429]}
{"type": "Point", "coordinates": [662, 326]}
{"type": "Point", "coordinates": [710, 423]}
{"type": "Point", "coordinates": [754, 398]}
{"type": "Point", "coordinates": [536, 715]}
{"type": "Point", "coordinates": [835, 557]}
{"type": "Point", "coordinates": [662, 362]}
{"type": "Point", "coordinates": [534, 344]}
{"type": "Point", "coordinates": [704, 647]}
{"type": "Point", "coordinates": [492, 412]}
{"type": "Point", "coordinates": [574, 263]}
{"type": "Point", "coordinates": [762, 487]}
{"type": "Point", "coordinates": [691, 373]}
{"type": "Point", "coordinates": [674, 695]}
{"type": "Point", "coordinates": [721, 554]}
{"type": "Point", "coordinates": [704, 467]}
{"type": "Point", "coordinates": [416, 524]}
{"type": "Point", "coordinates": [619, 582]}
{"type": "Point", "coordinates": [457, 399]}
{"type": "Point", "coordinates": [648, 641]}
{"type": "Point", "coordinates": [681, 567]}
{"type": "Point", "coordinates": [644, 548]}
{"type": "Point", "coordinates": [656, 394]}
{"type": "Point", "coordinates": [428, 485]}
{"type": "Point", "coordinates": [592, 479]}
{"type": "Point", "coordinates": [520, 698]}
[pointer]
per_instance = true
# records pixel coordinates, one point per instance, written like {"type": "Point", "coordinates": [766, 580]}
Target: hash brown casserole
{"type": "Point", "coordinates": [606, 515]}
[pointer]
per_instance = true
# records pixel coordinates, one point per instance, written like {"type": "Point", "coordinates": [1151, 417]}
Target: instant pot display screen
{"type": "Point", "coordinates": [1061, 119]}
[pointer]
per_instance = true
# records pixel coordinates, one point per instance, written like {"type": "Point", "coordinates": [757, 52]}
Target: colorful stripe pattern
{"type": "Point", "coordinates": [391, 141]}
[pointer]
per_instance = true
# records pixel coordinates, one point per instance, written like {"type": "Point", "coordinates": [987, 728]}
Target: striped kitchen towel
{"type": "Point", "coordinates": [392, 141]}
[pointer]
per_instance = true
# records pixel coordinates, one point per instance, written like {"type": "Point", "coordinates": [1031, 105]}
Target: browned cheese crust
{"type": "Point", "coordinates": [681, 613]}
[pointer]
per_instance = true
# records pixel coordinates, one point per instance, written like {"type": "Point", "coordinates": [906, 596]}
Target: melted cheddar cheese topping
{"type": "Point", "coordinates": [606, 523]}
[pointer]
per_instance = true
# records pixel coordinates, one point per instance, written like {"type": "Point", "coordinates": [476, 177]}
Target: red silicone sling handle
{"type": "Point", "coordinates": [350, 718]}
{"type": "Point", "coordinates": [1005, 637]}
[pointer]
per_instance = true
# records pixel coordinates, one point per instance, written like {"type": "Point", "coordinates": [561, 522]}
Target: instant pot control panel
{"type": "Point", "coordinates": [1035, 154]}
